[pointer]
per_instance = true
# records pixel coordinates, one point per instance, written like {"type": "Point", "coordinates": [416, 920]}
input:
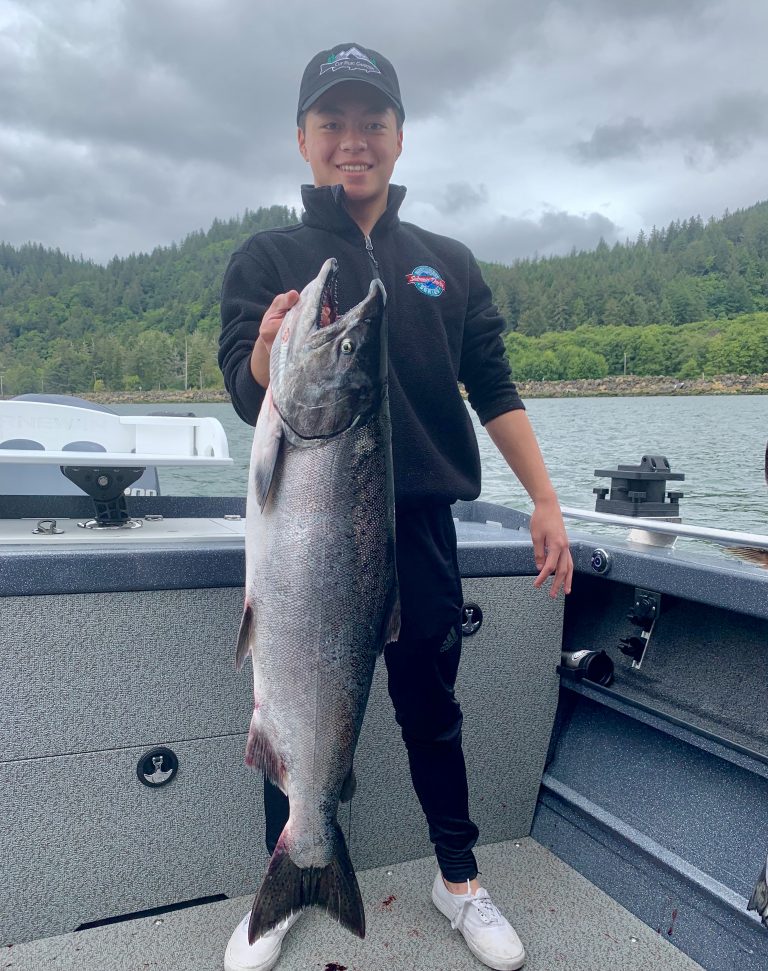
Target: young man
{"type": "Point", "coordinates": [443, 328]}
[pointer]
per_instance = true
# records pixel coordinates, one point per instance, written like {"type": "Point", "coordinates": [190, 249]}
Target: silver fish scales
{"type": "Point", "coordinates": [321, 597]}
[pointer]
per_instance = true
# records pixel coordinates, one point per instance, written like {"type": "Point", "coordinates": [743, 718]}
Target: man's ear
{"type": "Point", "coordinates": [302, 144]}
{"type": "Point", "coordinates": [399, 142]}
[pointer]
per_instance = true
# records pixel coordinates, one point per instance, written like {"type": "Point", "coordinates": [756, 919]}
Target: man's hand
{"type": "Point", "coordinates": [270, 324]}
{"type": "Point", "coordinates": [514, 438]}
{"type": "Point", "coordinates": [550, 546]}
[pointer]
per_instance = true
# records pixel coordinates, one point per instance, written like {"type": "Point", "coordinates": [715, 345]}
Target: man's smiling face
{"type": "Point", "coordinates": [352, 137]}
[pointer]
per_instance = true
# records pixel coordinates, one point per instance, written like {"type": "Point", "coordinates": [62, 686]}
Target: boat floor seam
{"type": "Point", "coordinates": [124, 748]}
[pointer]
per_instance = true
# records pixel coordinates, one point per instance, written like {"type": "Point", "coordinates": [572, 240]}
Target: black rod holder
{"type": "Point", "coordinates": [639, 490]}
{"type": "Point", "coordinates": [106, 486]}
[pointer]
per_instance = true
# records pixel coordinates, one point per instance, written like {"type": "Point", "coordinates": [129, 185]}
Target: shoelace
{"type": "Point", "coordinates": [276, 929]}
{"type": "Point", "coordinates": [486, 908]}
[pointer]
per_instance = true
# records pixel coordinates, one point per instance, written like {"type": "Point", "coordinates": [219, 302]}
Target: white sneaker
{"type": "Point", "coordinates": [489, 935]}
{"type": "Point", "coordinates": [263, 954]}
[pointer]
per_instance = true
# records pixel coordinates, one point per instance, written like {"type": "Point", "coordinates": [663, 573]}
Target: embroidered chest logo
{"type": "Point", "coordinates": [351, 60]}
{"type": "Point", "coordinates": [427, 280]}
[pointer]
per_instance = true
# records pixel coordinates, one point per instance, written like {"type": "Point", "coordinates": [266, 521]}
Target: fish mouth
{"type": "Point", "coordinates": [328, 306]}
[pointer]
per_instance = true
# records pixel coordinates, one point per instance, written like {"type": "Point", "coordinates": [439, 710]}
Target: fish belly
{"type": "Point", "coordinates": [322, 585]}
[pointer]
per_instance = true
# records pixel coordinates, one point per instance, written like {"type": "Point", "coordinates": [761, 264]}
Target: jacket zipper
{"type": "Point", "coordinates": [369, 249]}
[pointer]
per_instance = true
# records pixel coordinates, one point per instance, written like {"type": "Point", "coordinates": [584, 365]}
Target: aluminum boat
{"type": "Point", "coordinates": [616, 742]}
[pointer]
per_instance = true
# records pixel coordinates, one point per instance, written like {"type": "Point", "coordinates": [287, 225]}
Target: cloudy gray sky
{"type": "Point", "coordinates": [532, 126]}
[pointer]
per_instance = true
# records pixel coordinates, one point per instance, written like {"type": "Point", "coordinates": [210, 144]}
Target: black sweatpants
{"type": "Point", "coordinates": [421, 670]}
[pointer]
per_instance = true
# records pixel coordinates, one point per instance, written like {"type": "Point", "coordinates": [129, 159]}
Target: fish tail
{"type": "Point", "coordinates": [288, 888]}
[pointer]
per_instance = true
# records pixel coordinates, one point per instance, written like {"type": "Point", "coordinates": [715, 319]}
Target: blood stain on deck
{"type": "Point", "coordinates": [672, 925]}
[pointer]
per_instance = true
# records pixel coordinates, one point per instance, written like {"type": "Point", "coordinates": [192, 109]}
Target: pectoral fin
{"type": "Point", "coordinates": [266, 448]}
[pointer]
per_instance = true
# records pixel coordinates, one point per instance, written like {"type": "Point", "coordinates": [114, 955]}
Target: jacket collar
{"type": "Point", "coordinates": [324, 209]}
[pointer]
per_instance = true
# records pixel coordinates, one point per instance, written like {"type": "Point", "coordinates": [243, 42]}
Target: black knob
{"type": "Point", "coordinates": [643, 613]}
{"type": "Point", "coordinates": [632, 646]}
{"type": "Point", "coordinates": [600, 562]}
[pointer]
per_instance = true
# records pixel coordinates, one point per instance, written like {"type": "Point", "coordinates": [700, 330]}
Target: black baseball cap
{"type": "Point", "coordinates": [348, 62]}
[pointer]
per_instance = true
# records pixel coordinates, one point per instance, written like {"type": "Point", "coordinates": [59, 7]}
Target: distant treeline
{"type": "Point", "coordinates": [687, 300]}
{"type": "Point", "coordinates": [702, 349]}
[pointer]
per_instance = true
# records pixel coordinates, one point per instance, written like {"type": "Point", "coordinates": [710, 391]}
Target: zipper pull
{"type": "Point", "coordinates": [369, 248]}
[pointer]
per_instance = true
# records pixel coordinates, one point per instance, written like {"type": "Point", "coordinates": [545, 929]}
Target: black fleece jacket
{"type": "Point", "coordinates": [434, 341]}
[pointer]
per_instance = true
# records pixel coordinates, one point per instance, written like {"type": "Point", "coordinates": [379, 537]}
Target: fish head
{"type": "Point", "coordinates": [329, 372]}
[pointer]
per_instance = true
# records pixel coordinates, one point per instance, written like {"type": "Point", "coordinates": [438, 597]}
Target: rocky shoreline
{"type": "Point", "coordinates": [614, 386]}
{"type": "Point", "coordinates": [196, 396]}
{"type": "Point", "coordinates": [628, 385]}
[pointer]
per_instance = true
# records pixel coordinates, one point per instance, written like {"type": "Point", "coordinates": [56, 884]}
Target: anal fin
{"type": "Point", "coordinates": [244, 636]}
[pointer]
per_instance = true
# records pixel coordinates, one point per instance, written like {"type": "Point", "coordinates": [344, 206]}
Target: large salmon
{"type": "Point", "coordinates": [321, 595]}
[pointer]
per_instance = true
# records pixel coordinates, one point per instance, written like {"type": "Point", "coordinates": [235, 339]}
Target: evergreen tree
{"type": "Point", "coordinates": [686, 299]}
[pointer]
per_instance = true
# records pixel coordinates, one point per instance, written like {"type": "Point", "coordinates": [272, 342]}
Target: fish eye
{"type": "Point", "coordinates": [347, 346]}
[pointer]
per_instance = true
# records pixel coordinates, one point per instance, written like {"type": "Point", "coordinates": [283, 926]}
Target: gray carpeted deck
{"type": "Point", "coordinates": [564, 921]}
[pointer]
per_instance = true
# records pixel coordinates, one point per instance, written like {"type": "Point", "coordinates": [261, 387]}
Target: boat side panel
{"type": "Point", "coordinates": [91, 682]}
{"type": "Point", "coordinates": [85, 673]}
{"type": "Point", "coordinates": [685, 914]}
{"type": "Point", "coordinates": [507, 687]}
{"type": "Point", "coordinates": [656, 788]}
{"type": "Point", "coordinates": [83, 840]}
{"type": "Point", "coordinates": [705, 810]}
{"type": "Point", "coordinates": [704, 665]}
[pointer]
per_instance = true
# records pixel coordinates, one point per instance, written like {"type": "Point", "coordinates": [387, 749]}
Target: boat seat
{"type": "Point", "coordinates": [40, 433]}
{"type": "Point", "coordinates": [21, 443]}
{"type": "Point", "coordinates": [24, 479]}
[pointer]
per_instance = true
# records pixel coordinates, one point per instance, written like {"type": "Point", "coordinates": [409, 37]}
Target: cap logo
{"type": "Point", "coordinates": [350, 60]}
{"type": "Point", "coordinates": [427, 280]}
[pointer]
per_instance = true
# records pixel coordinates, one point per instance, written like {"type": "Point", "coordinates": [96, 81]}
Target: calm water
{"type": "Point", "coordinates": [718, 442]}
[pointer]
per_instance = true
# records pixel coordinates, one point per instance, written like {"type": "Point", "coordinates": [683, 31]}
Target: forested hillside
{"type": "Point", "coordinates": [689, 271]}
{"type": "Point", "coordinates": [146, 321]}
{"type": "Point", "coordinates": [686, 300]}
